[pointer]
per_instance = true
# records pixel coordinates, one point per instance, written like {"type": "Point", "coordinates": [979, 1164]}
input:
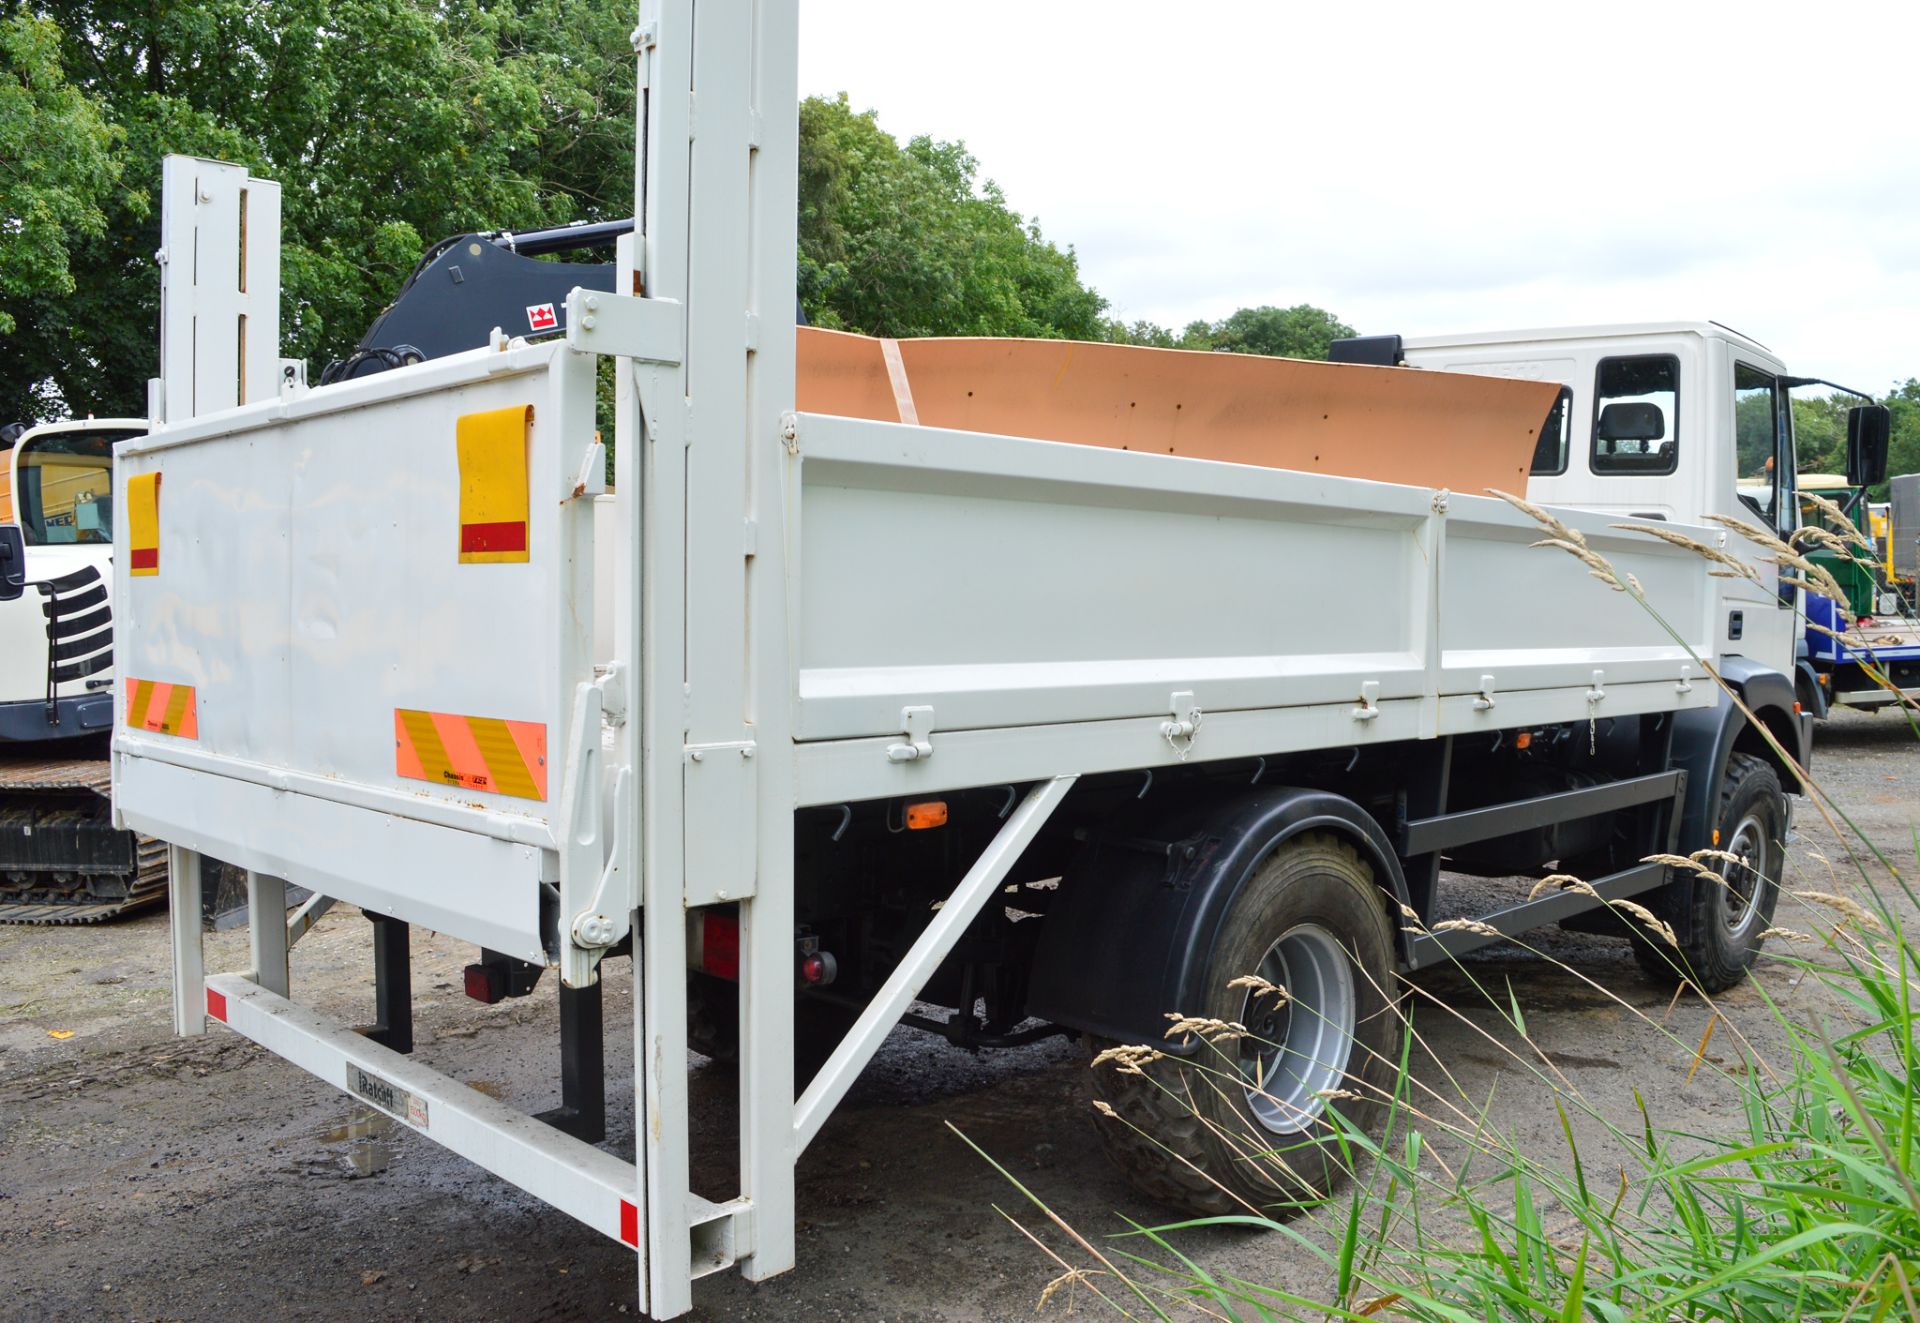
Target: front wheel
{"type": "Point", "coordinates": [1719, 923]}
{"type": "Point", "coordinates": [1243, 1122]}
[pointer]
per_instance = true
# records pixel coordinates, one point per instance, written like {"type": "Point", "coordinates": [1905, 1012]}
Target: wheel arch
{"type": "Point", "coordinates": [1132, 933]}
{"type": "Point", "coordinates": [1703, 738]}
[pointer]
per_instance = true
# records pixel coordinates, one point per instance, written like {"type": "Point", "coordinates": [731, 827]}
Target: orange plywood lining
{"type": "Point", "coordinates": [1430, 429]}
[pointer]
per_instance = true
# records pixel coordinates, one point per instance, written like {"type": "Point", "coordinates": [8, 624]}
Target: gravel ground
{"type": "Point", "coordinates": [143, 1176]}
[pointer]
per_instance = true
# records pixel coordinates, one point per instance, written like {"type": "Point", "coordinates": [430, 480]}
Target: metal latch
{"type": "Point", "coordinates": [1369, 701]}
{"type": "Point", "coordinates": [1484, 703]}
{"type": "Point", "coordinates": [1685, 683]}
{"type": "Point", "coordinates": [1599, 690]}
{"type": "Point", "coordinates": [1179, 732]}
{"type": "Point", "coordinates": [917, 724]}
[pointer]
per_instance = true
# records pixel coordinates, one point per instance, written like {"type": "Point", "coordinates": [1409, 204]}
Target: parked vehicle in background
{"type": "Point", "coordinates": [1903, 535]}
{"type": "Point", "coordinates": [61, 858]}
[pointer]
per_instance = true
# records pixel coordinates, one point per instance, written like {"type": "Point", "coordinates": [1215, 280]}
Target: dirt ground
{"type": "Point", "coordinates": [144, 1176]}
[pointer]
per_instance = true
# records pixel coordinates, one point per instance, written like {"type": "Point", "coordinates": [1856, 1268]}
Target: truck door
{"type": "Point", "coordinates": [1763, 619]}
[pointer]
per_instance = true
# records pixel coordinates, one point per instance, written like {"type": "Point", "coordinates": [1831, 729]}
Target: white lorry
{"type": "Point", "coordinates": [888, 629]}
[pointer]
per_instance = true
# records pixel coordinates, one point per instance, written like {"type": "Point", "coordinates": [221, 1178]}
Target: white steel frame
{"type": "Point", "coordinates": [706, 689]}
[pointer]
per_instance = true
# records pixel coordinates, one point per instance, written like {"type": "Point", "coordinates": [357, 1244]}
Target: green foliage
{"type": "Point", "coordinates": [58, 171]}
{"type": "Point", "coordinates": [908, 241]}
{"type": "Point", "coordinates": [1903, 449]}
{"type": "Point", "coordinates": [1302, 331]}
{"type": "Point", "coordinates": [1820, 432]}
{"type": "Point", "coordinates": [388, 123]}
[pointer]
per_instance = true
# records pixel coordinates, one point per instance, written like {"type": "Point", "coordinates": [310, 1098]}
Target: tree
{"type": "Point", "coordinates": [387, 123]}
{"type": "Point", "coordinates": [1903, 448]}
{"type": "Point", "coordinates": [58, 172]}
{"type": "Point", "coordinates": [1302, 331]}
{"type": "Point", "coordinates": [903, 241]}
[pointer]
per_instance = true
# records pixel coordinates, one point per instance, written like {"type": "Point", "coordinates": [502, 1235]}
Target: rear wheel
{"type": "Point", "coordinates": [1244, 1121]}
{"type": "Point", "coordinates": [1718, 925]}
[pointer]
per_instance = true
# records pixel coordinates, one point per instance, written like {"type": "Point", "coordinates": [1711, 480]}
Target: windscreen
{"type": "Point", "coordinates": [64, 488]}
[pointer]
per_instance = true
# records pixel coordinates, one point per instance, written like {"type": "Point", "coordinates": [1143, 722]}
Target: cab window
{"type": "Point", "coordinates": [1757, 426]}
{"type": "Point", "coordinates": [1636, 415]}
{"type": "Point", "coordinates": [1550, 451]}
{"type": "Point", "coordinates": [65, 489]}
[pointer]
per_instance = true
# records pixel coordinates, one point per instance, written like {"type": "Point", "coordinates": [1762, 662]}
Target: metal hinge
{"type": "Point", "coordinates": [1484, 703]}
{"type": "Point", "coordinates": [790, 432]}
{"type": "Point", "coordinates": [1440, 499]}
{"type": "Point", "coordinates": [1369, 702]}
{"type": "Point", "coordinates": [1684, 685]}
{"type": "Point", "coordinates": [917, 724]}
{"type": "Point", "coordinates": [593, 852]}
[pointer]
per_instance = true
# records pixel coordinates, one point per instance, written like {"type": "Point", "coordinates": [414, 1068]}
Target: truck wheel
{"type": "Point", "coordinates": [713, 1026]}
{"type": "Point", "coordinates": [1245, 1122]}
{"type": "Point", "coordinates": [1719, 926]}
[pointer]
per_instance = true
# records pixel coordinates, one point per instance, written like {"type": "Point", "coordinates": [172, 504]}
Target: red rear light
{"type": "Point", "coordinates": [485, 983]}
{"type": "Point", "coordinates": [720, 945]}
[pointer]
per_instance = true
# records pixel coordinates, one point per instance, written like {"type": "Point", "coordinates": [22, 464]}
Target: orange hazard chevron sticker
{"type": "Point", "coordinates": [143, 525]}
{"type": "Point", "coordinates": [166, 708]}
{"type": "Point", "coordinates": [479, 753]}
{"type": "Point", "coordinates": [492, 450]}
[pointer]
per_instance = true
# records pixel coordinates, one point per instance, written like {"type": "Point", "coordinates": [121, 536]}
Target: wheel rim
{"type": "Point", "coordinates": [1739, 901]}
{"type": "Point", "coordinates": [1298, 1048]}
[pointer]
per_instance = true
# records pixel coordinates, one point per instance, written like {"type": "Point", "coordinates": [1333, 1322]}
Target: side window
{"type": "Point", "coordinates": [1756, 441]}
{"type": "Point", "coordinates": [1636, 415]}
{"type": "Point", "coordinates": [1550, 451]}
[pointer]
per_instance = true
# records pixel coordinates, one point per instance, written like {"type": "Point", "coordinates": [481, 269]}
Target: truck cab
{"type": "Point", "coordinates": [1663, 422]}
{"type": "Point", "coordinates": [57, 527]}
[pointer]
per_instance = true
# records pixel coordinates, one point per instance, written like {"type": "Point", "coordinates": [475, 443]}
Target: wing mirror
{"type": "Point", "coordinates": [13, 562]}
{"type": "Point", "coordinates": [1868, 426]}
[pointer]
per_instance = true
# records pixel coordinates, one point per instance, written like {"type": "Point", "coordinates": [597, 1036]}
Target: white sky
{"type": "Point", "coordinates": [1439, 167]}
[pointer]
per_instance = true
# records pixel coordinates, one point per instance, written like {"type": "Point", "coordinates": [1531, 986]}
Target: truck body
{"type": "Point", "coordinates": [1019, 678]}
{"type": "Point", "coordinates": [1725, 449]}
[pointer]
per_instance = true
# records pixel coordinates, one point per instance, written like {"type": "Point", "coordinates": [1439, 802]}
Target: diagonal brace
{"type": "Point", "coordinates": [934, 944]}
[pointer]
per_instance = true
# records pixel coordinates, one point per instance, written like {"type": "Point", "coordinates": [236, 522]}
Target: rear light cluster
{"type": "Point", "coordinates": [713, 947]}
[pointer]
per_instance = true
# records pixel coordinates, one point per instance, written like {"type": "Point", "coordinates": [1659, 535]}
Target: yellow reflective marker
{"type": "Point", "coordinates": [143, 524]}
{"type": "Point", "coordinates": [492, 450]}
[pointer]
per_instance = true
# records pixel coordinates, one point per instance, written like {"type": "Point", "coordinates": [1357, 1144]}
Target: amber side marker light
{"type": "Point", "coordinates": [927, 813]}
{"type": "Point", "coordinates": [1523, 739]}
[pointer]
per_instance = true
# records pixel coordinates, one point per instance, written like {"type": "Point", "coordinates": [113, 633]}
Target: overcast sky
{"type": "Point", "coordinates": [1439, 167]}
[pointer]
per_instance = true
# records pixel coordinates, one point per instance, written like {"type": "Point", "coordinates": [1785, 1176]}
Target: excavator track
{"type": "Point", "coordinates": [61, 860]}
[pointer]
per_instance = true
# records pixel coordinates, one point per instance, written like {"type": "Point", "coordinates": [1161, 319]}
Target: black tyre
{"type": "Point", "coordinates": [1719, 926]}
{"type": "Point", "coordinates": [1244, 1122]}
{"type": "Point", "coordinates": [713, 1026]}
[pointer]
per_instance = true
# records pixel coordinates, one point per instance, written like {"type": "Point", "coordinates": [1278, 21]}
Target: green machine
{"type": "Point", "coordinates": [1854, 569]}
